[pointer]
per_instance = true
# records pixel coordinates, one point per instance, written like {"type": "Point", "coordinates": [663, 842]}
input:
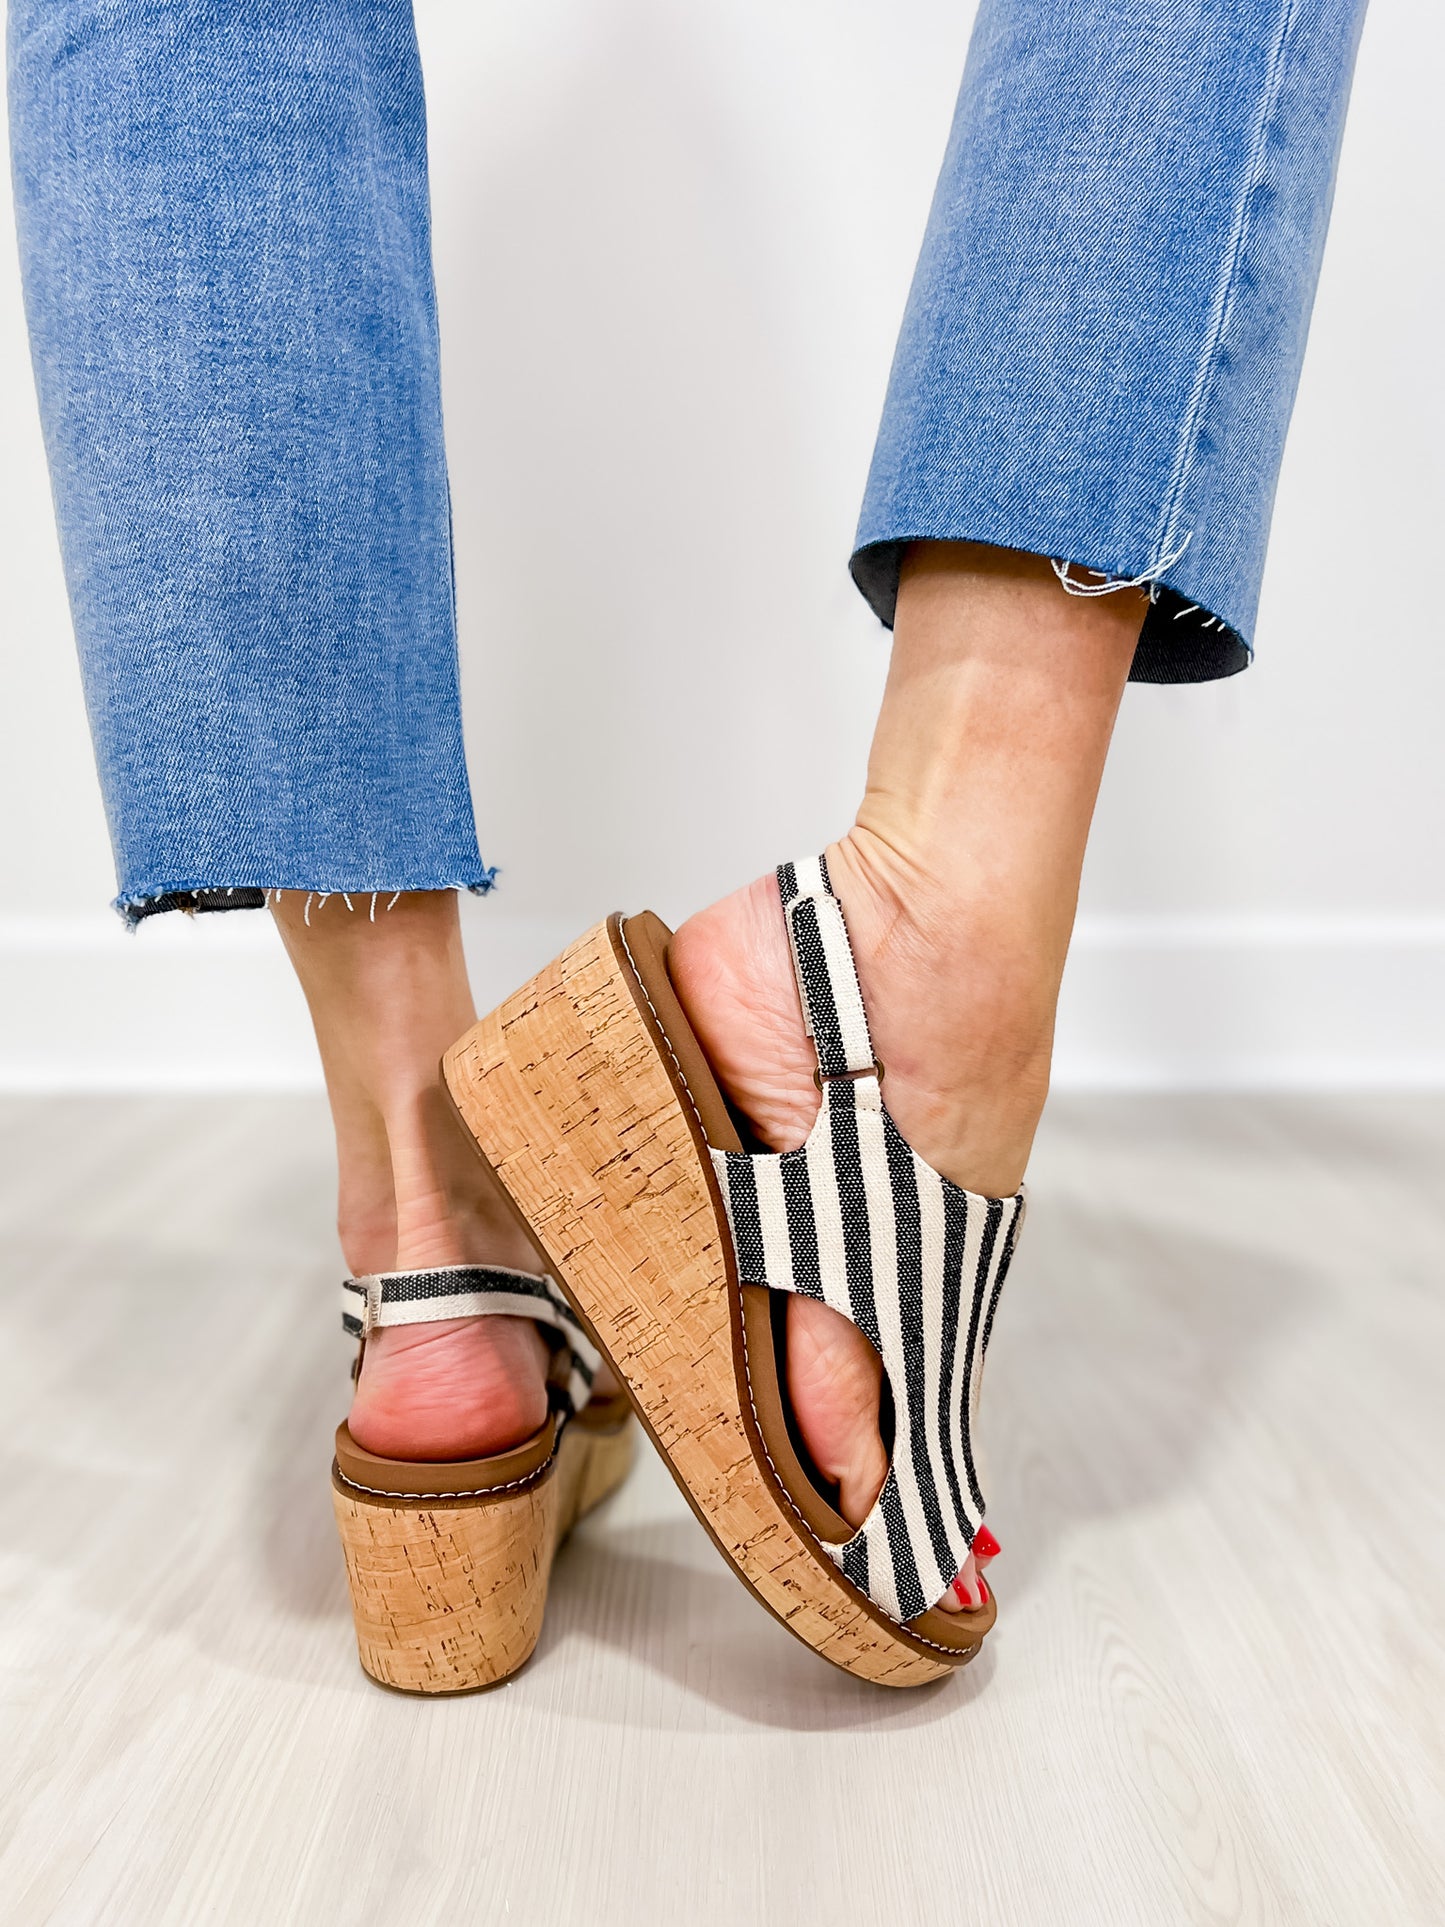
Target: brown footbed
{"type": "Point", "coordinates": [459, 1480]}
{"type": "Point", "coordinates": [642, 943]}
{"type": "Point", "coordinates": [466, 1480]}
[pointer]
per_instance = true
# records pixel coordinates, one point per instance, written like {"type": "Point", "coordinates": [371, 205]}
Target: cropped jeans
{"type": "Point", "coordinates": [225, 243]}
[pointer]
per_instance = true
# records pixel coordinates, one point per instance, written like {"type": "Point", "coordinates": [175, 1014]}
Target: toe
{"type": "Point", "coordinates": [966, 1594]}
{"type": "Point", "coordinates": [985, 1548]}
{"type": "Point", "coordinates": [969, 1590]}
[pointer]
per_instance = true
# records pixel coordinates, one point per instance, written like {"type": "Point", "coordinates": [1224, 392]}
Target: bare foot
{"type": "Point", "coordinates": [464, 1387]}
{"type": "Point", "coordinates": [966, 1044]}
{"type": "Point", "coordinates": [461, 1389]}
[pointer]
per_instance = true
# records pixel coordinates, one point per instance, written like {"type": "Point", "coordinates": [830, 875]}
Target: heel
{"type": "Point", "coordinates": [448, 1563]}
{"type": "Point", "coordinates": [447, 1596]}
{"type": "Point", "coordinates": [575, 1093]}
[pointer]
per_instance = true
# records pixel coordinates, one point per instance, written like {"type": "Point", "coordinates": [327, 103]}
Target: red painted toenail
{"type": "Point", "coordinates": [984, 1543]}
{"type": "Point", "coordinates": [963, 1594]}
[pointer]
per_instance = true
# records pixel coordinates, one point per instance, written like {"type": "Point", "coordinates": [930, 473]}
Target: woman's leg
{"type": "Point", "coordinates": [1096, 369]}
{"type": "Point", "coordinates": [387, 998]}
{"type": "Point", "coordinates": [959, 878]}
{"type": "Point", "coordinates": [224, 230]}
{"type": "Point", "coordinates": [1104, 335]}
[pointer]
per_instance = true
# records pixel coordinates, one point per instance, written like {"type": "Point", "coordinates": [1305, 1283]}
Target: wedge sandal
{"type": "Point", "coordinates": [594, 1103]}
{"type": "Point", "coordinates": [448, 1563]}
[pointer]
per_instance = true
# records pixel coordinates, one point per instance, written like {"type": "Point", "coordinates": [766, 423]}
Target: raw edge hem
{"type": "Point", "coordinates": [209, 899]}
{"type": "Point", "coordinates": [1181, 641]}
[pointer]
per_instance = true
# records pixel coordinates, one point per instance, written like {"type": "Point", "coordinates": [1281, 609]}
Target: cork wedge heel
{"type": "Point", "coordinates": [592, 1100]}
{"type": "Point", "coordinates": [448, 1564]}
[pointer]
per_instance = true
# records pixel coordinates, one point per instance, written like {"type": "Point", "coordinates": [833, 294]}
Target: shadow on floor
{"type": "Point", "coordinates": [641, 1591]}
{"type": "Point", "coordinates": [1116, 1365]}
{"type": "Point", "coordinates": [1118, 1360]}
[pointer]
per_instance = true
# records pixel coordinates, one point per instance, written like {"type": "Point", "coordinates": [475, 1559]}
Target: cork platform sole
{"type": "Point", "coordinates": [574, 1093]}
{"type": "Point", "coordinates": [448, 1588]}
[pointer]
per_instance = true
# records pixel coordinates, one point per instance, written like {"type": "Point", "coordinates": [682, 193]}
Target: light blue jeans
{"type": "Point", "coordinates": [226, 251]}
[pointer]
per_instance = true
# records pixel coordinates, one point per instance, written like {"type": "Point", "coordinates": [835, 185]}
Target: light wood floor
{"type": "Point", "coordinates": [1217, 1691]}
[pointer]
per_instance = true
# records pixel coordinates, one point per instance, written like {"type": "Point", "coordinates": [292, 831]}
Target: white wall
{"type": "Point", "coordinates": [673, 245]}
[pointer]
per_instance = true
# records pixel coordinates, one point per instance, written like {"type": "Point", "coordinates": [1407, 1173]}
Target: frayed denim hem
{"type": "Point", "coordinates": [194, 899]}
{"type": "Point", "coordinates": [1181, 641]}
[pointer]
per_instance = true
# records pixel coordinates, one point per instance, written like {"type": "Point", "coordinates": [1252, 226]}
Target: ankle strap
{"type": "Point", "coordinates": [827, 974]}
{"type": "Point", "coordinates": [385, 1298]}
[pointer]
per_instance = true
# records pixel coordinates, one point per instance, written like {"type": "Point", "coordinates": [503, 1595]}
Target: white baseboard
{"type": "Point", "coordinates": [189, 1003]}
{"type": "Point", "coordinates": [1291, 1003]}
{"type": "Point", "coordinates": [1254, 1003]}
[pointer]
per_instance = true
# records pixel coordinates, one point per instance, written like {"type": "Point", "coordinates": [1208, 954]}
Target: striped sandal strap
{"type": "Point", "coordinates": [855, 1218]}
{"type": "Point", "coordinates": [828, 986]}
{"type": "Point", "coordinates": [384, 1298]}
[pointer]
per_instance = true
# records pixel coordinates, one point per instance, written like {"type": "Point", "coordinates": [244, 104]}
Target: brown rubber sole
{"type": "Point", "coordinates": [575, 1096]}
{"type": "Point", "coordinates": [447, 1587]}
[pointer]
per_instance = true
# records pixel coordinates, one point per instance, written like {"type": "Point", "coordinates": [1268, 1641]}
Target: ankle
{"type": "Point", "coordinates": [459, 1388]}
{"type": "Point", "coordinates": [950, 875]}
{"type": "Point", "coordinates": [960, 975]}
{"type": "Point", "coordinates": [454, 1234]}
{"type": "Point", "coordinates": [982, 778]}
{"type": "Point", "coordinates": [960, 1008]}
{"type": "Point", "coordinates": [433, 1229]}
{"type": "Point", "coordinates": [432, 1201]}
{"type": "Point", "coordinates": [991, 956]}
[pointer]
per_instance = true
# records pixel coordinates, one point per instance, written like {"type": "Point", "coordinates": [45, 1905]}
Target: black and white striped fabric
{"type": "Point", "coordinates": [856, 1218]}
{"type": "Point", "coordinates": [470, 1291]}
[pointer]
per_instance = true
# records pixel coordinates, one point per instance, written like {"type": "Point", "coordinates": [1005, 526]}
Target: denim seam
{"type": "Point", "coordinates": [1224, 302]}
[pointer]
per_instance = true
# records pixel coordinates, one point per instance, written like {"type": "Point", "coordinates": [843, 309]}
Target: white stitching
{"type": "Point", "coordinates": [1111, 584]}
{"type": "Point", "coordinates": [1223, 307]}
{"type": "Point", "coordinates": [440, 1498]}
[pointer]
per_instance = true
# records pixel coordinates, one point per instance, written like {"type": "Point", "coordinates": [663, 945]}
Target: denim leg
{"type": "Point", "coordinates": [225, 241]}
{"type": "Point", "coordinates": [1104, 336]}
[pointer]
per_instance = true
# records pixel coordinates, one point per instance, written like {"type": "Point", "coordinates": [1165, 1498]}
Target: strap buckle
{"type": "Point", "coordinates": [822, 1077]}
